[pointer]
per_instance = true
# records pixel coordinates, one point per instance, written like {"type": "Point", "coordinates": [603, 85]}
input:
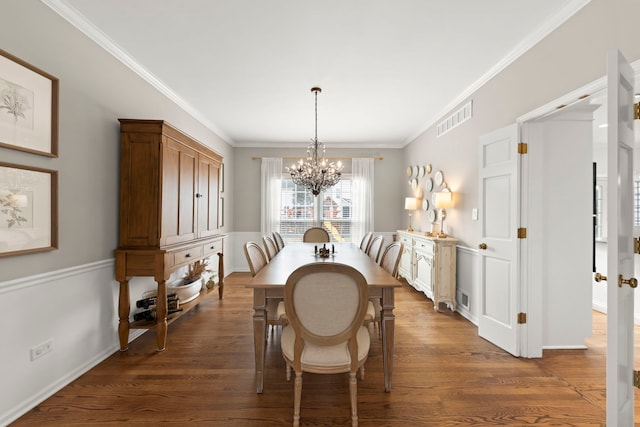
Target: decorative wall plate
{"type": "Point", "coordinates": [425, 205]}
{"type": "Point", "coordinates": [428, 184]}
{"type": "Point", "coordinates": [439, 178]}
{"type": "Point", "coordinates": [421, 172]}
{"type": "Point", "coordinates": [409, 171]}
{"type": "Point", "coordinates": [414, 183]}
{"type": "Point", "coordinates": [428, 168]}
{"type": "Point", "coordinates": [432, 215]}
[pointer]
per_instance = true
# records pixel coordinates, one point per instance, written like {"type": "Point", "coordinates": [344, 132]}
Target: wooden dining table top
{"type": "Point", "coordinates": [295, 255]}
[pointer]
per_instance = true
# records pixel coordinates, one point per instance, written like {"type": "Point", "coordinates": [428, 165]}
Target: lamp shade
{"type": "Point", "coordinates": [443, 200]}
{"type": "Point", "coordinates": [410, 203]}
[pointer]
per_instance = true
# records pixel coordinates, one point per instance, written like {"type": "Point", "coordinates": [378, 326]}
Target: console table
{"type": "Point", "coordinates": [429, 265]}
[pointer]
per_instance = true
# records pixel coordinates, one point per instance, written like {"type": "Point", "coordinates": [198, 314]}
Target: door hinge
{"type": "Point", "coordinates": [522, 233]}
{"type": "Point", "coordinates": [636, 378]}
{"type": "Point", "coordinates": [522, 148]}
{"type": "Point", "coordinates": [636, 245]}
{"type": "Point", "coordinates": [522, 318]}
{"type": "Point", "coordinates": [636, 111]}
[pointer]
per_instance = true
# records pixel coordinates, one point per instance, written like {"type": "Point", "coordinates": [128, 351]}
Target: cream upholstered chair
{"type": "Point", "coordinates": [257, 260]}
{"type": "Point", "coordinates": [374, 248]}
{"type": "Point", "coordinates": [270, 247]}
{"type": "Point", "coordinates": [316, 235]}
{"type": "Point", "coordinates": [325, 306]}
{"type": "Point", "coordinates": [366, 240]}
{"type": "Point", "coordinates": [277, 237]}
{"type": "Point", "coordinates": [389, 260]}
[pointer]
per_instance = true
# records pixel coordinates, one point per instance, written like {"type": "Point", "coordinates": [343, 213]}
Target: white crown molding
{"type": "Point", "coordinates": [62, 8]}
{"type": "Point", "coordinates": [303, 145]}
{"type": "Point", "coordinates": [543, 31]}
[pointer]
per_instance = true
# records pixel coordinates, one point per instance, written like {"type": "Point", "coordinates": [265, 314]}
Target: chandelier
{"type": "Point", "coordinates": [315, 174]}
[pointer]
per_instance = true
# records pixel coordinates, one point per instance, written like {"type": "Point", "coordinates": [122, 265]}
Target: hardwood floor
{"type": "Point", "coordinates": [444, 375]}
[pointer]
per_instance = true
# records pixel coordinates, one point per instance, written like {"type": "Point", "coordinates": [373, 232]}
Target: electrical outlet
{"type": "Point", "coordinates": [42, 349]}
{"type": "Point", "coordinates": [474, 214]}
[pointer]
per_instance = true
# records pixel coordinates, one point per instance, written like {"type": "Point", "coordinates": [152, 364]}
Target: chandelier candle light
{"type": "Point", "coordinates": [315, 174]}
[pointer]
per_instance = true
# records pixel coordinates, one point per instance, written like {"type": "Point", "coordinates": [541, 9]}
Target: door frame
{"type": "Point", "coordinates": [531, 297]}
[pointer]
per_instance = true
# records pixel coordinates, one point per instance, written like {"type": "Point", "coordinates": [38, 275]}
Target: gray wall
{"type": "Point", "coordinates": [95, 90]}
{"type": "Point", "coordinates": [569, 58]}
{"type": "Point", "coordinates": [388, 200]}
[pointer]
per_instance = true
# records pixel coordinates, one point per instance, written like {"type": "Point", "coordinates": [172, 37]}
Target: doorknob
{"type": "Point", "coordinates": [482, 246]}
{"type": "Point", "coordinates": [633, 282]}
{"type": "Point", "coordinates": [599, 277]}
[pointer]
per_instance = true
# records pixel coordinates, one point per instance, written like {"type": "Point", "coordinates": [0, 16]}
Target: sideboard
{"type": "Point", "coordinates": [429, 265]}
{"type": "Point", "coordinates": [169, 214]}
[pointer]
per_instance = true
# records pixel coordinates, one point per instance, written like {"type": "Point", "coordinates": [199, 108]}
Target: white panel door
{"type": "Point", "coordinates": [620, 241]}
{"type": "Point", "coordinates": [499, 172]}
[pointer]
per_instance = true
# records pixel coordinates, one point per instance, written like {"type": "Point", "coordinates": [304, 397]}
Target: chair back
{"type": "Point", "coordinates": [277, 237]}
{"type": "Point", "coordinates": [391, 258]}
{"type": "Point", "coordinates": [270, 247]}
{"type": "Point", "coordinates": [326, 305]}
{"type": "Point", "coordinates": [366, 240]}
{"type": "Point", "coordinates": [374, 248]}
{"type": "Point", "coordinates": [316, 235]}
{"type": "Point", "coordinates": [255, 257]}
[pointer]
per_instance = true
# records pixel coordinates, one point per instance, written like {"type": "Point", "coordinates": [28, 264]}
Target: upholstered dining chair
{"type": "Point", "coordinates": [389, 260]}
{"type": "Point", "coordinates": [270, 247]}
{"type": "Point", "coordinates": [316, 235]}
{"type": "Point", "coordinates": [366, 240]}
{"type": "Point", "coordinates": [277, 237]}
{"type": "Point", "coordinates": [374, 247]}
{"type": "Point", "coordinates": [325, 305]}
{"type": "Point", "coordinates": [257, 259]}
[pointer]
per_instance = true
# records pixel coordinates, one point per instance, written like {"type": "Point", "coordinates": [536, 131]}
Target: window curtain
{"type": "Point", "coordinates": [270, 195]}
{"type": "Point", "coordinates": [362, 197]}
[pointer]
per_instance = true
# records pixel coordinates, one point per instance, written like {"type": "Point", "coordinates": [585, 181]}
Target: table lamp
{"type": "Point", "coordinates": [410, 204]}
{"type": "Point", "coordinates": [442, 202]}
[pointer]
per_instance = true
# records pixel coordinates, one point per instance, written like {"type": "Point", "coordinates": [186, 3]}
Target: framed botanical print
{"type": "Point", "coordinates": [28, 209]}
{"type": "Point", "coordinates": [28, 107]}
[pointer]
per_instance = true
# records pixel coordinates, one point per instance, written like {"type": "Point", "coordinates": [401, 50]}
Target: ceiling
{"type": "Point", "coordinates": [388, 69]}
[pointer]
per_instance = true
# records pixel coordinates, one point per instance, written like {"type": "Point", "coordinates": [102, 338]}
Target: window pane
{"type": "Point", "coordinates": [300, 211]}
{"type": "Point", "coordinates": [336, 210]}
{"type": "Point", "coordinates": [297, 211]}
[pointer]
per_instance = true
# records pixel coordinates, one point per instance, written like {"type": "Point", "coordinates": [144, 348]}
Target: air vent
{"type": "Point", "coordinates": [456, 119]}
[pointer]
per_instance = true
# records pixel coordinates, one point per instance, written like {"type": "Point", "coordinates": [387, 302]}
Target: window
{"type": "Point", "coordinates": [301, 210]}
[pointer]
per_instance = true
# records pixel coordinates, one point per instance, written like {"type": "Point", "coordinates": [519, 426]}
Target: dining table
{"type": "Point", "coordinates": [270, 281]}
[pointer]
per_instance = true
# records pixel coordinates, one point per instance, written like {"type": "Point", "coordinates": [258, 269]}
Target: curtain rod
{"type": "Point", "coordinates": [328, 158]}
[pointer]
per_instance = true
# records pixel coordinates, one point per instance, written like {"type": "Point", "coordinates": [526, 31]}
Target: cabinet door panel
{"type": "Point", "coordinates": [424, 272]}
{"type": "Point", "coordinates": [208, 196]}
{"type": "Point", "coordinates": [178, 193]}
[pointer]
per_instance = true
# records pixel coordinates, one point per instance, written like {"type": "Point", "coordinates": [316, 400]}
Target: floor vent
{"type": "Point", "coordinates": [464, 301]}
{"type": "Point", "coordinates": [456, 119]}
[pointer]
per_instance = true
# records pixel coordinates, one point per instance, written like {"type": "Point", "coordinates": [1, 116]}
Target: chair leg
{"type": "Point", "coordinates": [362, 372]}
{"type": "Point", "coordinates": [297, 397]}
{"type": "Point", "coordinates": [288, 372]}
{"type": "Point", "coordinates": [353, 392]}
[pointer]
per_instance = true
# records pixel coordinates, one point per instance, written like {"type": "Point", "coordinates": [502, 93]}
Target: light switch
{"type": "Point", "coordinates": [474, 214]}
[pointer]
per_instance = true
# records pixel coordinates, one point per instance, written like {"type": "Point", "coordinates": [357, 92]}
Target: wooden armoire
{"type": "Point", "coordinates": [169, 214]}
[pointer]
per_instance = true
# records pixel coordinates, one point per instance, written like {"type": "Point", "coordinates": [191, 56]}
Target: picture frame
{"type": "Point", "coordinates": [28, 209]}
{"type": "Point", "coordinates": [28, 107]}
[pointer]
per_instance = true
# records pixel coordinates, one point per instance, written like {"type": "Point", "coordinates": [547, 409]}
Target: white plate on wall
{"type": "Point", "coordinates": [425, 205]}
{"type": "Point", "coordinates": [432, 216]}
{"type": "Point", "coordinates": [428, 184]}
{"type": "Point", "coordinates": [439, 178]}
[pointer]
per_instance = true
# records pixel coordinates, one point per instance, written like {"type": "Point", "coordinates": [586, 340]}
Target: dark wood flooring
{"type": "Point", "coordinates": [444, 375]}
